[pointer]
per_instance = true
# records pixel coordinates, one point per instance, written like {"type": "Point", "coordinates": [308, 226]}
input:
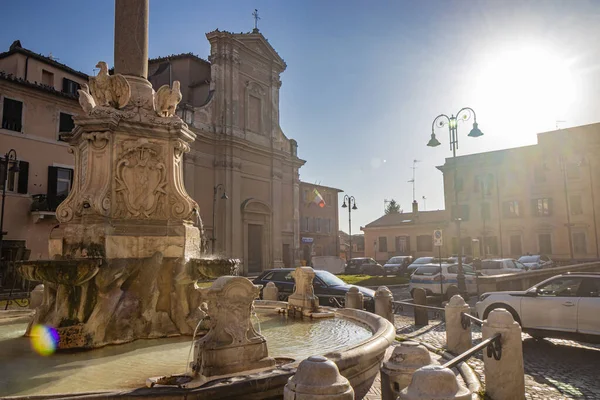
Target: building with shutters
{"type": "Point", "coordinates": [318, 225]}
{"type": "Point", "coordinates": [38, 97]}
{"type": "Point", "coordinates": [538, 199]}
{"type": "Point", "coordinates": [406, 234]}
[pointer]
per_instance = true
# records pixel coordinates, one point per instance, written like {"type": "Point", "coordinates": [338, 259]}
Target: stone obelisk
{"type": "Point", "coordinates": [131, 37]}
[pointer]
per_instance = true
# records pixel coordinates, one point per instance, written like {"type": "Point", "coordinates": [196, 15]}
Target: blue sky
{"type": "Point", "coordinates": [365, 79]}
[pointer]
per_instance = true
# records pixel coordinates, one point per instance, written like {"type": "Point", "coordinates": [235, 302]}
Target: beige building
{"type": "Point", "coordinates": [230, 101]}
{"type": "Point", "coordinates": [406, 234]}
{"type": "Point", "coordinates": [536, 199]}
{"type": "Point", "coordinates": [318, 225]}
{"type": "Point", "coordinates": [532, 199]}
{"type": "Point", "coordinates": [37, 102]}
{"type": "Point", "coordinates": [358, 245]}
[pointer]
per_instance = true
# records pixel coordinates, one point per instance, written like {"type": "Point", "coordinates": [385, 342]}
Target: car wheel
{"type": "Point", "coordinates": [506, 307]}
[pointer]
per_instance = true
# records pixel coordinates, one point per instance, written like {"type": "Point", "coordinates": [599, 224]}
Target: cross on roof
{"type": "Point", "coordinates": [256, 18]}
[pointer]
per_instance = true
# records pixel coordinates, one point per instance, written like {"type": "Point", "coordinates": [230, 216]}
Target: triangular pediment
{"type": "Point", "coordinates": [258, 44]}
{"type": "Point", "coordinates": [255, 42]}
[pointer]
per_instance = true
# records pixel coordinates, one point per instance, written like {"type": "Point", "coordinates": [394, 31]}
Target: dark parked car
{"type": "Point", "coordinates": [537, 261]}
{"type": "Point", "coordinates": [326, 286]}
{"type": "Point", "coordinates": [397, 265]}
{"type": "Point", "coordinates": [364, 265]}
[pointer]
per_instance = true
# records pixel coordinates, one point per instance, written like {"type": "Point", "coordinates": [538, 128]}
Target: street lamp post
{"type": "Point", "coordinates": [216, 189]}
{"type": "Point", "coordinates": [351, 206]}
{"type": "Point", "coordinates": [8, 157]}
{"type": "Point", "coordinates": [440, 121]}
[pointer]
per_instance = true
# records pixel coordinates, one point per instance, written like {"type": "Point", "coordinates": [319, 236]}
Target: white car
{"type": "Point", "coordinates": [429, 278]}
{"type": "Point", "coordinates": [564, 306]}
{"type": "Point", "coordinates": [501, 266]}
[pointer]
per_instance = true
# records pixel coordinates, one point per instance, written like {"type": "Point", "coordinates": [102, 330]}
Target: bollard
{"type": "Point", "coordinates": [504, 378]}
{"type": "Point", "coordinates": [434, 382]}
{"type": "Point", "coordinates": [421, 315]}
{"type": "Point", "coordinates": [451, 292]}
{"type": "Point", "coordinates": [36, 297]}
{"type": "Point", "coordinates": [318, 378]}
{"type": "Point", "coordinates": [458, 339]}
{"type": "Point", "coordinates": [270, 292]}
{"type": "Point", "coordinates": [354, 298]}
{"type": "Point", "coordinates": [383, 303]}
{"type": "Point", "coordinates": [397, 372]}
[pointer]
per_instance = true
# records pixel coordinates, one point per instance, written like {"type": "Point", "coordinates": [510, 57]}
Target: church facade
{"type": "Point", "coordinates": [242, 170]}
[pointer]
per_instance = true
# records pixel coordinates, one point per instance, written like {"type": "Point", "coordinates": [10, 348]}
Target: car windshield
{"type": "Point", "coordinates": [529, 259]}
{"type": "Point", "coordinates": [427, 270]}
{"type": "Point", "coordinates": [423, 260]}
{"type": "Point", "coordinates": [395, 260]}
{"type": "Point", "coordinates": [329, 279]}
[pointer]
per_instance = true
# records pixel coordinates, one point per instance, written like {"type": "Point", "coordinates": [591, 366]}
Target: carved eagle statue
{"type": "Point", "coordinates": [86, 101]}
{"type": "Point", "coordinates": [166, 99]}
{"type": "Point", "coordinates": [113, 91]}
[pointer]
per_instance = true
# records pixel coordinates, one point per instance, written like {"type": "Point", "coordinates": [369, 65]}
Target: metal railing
{"type": "Point", "coordinates": [493, 346]}
{"type": "Point", "coordinates": [398, 307]}
{"type": "Point", "coordinates": [466, 319]}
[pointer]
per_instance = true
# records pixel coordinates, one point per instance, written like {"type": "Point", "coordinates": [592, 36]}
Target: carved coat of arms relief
{"type": "Point", "coordinates": [141, 181]}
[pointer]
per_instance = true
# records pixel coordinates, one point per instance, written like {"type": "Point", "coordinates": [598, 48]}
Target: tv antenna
{"type": "Point", "coordinates": [424, 203]}
{"type": "Point", "coordinates": [414, 167]}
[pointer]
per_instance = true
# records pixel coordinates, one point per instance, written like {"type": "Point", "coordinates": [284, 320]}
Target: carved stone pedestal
{"type": "Point", "coordinates": [128, 198]}
{"type": "Point", "coordinates": [231, 345]}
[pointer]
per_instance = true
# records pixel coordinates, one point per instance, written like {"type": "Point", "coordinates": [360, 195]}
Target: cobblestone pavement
{"type": "Point", "coordinates": [554, 369]}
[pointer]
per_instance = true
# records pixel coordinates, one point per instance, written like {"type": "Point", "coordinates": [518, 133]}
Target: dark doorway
{"type": "Point", "coordinates": [255, 261]}
{"type": "Point", "coordinates": [287, 256]}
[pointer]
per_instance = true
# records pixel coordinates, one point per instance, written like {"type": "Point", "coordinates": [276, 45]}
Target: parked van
{"type": "Point", "coordinates": [333, 264]}
{"type": "Point", "coordinates": [500, 266]}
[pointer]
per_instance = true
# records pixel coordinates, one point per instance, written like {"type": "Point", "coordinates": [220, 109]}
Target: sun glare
{"type": "Point", "coordinates": [529, 86]}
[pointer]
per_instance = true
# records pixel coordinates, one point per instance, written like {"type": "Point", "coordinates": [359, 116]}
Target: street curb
{"type": "Point", "coordinates": [471, 379]}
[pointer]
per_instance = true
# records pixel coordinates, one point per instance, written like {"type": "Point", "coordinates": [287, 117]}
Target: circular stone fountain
{"type": "Point", "coordinates": [271, 349]}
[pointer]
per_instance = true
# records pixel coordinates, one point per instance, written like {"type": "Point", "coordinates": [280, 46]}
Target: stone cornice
{"type": "Point", "coordinates": [242, 144]}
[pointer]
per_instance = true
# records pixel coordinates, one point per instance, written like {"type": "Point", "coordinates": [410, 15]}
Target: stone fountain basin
{"type": "Point", "coordinates": [359, 363]}
{"type": "Point", "coordinates": [73, 272]}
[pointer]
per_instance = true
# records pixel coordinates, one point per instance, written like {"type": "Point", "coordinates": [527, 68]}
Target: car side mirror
{"type": "Point", "coordinates": [532, 293]}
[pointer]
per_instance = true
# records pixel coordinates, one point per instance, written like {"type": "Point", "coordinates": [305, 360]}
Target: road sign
{"type": "Point", "coordinates": [307, 240]}
{"type": "Point", "coordinates": [437, 237]}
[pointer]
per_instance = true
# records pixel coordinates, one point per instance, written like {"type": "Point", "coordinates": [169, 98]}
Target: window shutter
{"type": "Point", "coordinates": [52, 182]}
{"type": "Point", "coordinates": [23, 177]}
{"type": "Point", "coordinates": [550, 207]}
{"type": "Point", "coordinates": [534, 208]}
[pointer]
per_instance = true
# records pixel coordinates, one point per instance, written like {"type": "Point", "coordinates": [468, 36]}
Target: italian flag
{"type": "Point", "coordinates": [316, 198]}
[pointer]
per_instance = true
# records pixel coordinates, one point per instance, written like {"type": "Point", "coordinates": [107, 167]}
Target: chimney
{"type": "Point", "coordinates": [415, 207]}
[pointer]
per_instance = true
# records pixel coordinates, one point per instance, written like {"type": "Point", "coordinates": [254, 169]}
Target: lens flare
{"type": "Point", "coordinates": [44, 339]}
